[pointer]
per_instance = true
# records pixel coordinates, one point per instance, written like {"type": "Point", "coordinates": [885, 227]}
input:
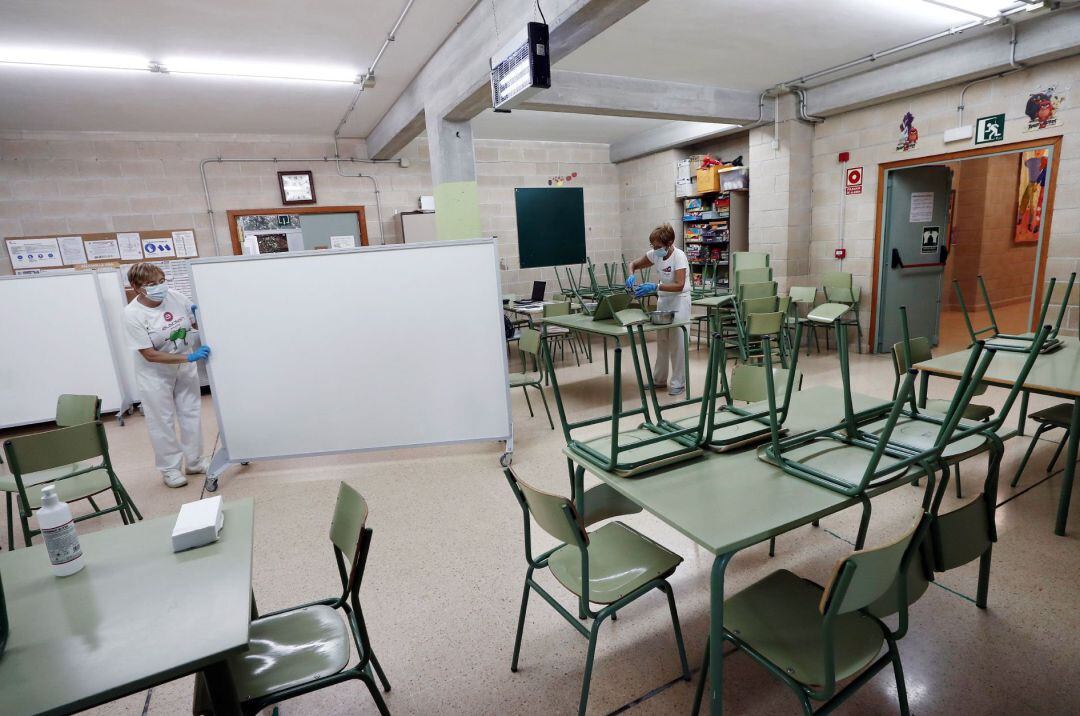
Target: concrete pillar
{"type": "Point", "coordinates": [453, 176]}
{"type": "Point", "coordinates": [780, 183]}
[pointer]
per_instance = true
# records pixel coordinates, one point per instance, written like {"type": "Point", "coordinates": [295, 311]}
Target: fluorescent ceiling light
{"type": "Point", "coordinates": [79, 59]}
{"type": "Point", "coordinates": [259, 70]}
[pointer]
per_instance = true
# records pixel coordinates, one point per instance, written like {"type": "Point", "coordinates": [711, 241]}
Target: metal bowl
{"type": "Point", "coordinates": [662, 318]}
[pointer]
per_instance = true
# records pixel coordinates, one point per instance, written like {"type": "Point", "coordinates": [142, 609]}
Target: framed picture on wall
{"type": "Point", "coordinates": [1031, 192]}
{"type": "Point", "coordinates": [296, 188]}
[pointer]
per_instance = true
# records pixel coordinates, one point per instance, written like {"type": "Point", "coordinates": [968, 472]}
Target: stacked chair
{"type": "Point", "coordinates": [839, 287]}
{"type": "Point", "coordinates": [1016, 343]}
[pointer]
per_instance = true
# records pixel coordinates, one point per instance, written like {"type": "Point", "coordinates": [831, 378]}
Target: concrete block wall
{"type": "Point", "coordinates": [871, 133]}
{"type": "Point", "coordinates": [71, 183]}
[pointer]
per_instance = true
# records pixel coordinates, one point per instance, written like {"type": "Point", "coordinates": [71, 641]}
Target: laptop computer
{"type": "Point", "coordinates": [538, 290]}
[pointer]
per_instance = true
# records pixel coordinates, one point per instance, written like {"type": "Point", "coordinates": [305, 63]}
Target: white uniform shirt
{"type": "Point", "coordinates": [667, 267]}
{"type": "Point", "coordinates": [168, 327]}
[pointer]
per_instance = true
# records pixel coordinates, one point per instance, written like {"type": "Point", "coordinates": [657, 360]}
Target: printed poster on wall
{"type": "Point", "coordinates": [71, 250]}
{"type": "Point", "coordinates": [154, 248]}
{"type": "Point", "coordinates": [1032, 192]}
{"type": "Point", "coordinates": [1043, 108]}
{"type": "Point", "coordinates": [342, 242]}
{"type": "Point", "coordinates": [34, 253]}
{"type": "Point", "coordinates": [922, 207]}
{"type": "Point", "coordinates": [130, 246]}
{"type": "Point", "coordinates": [184, 241]}
{"type": "Point", "coordinates": [102, 250]}
{"type": "Point", "coordinates": [909, 135]}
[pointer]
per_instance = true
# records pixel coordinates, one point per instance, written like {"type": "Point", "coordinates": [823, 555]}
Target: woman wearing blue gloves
{"type": "Point", "coordinates": [673, 294]}
{"type": "Point", "coordinates": [161, 325]}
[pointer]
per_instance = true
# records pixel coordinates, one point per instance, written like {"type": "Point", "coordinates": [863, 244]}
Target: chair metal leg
{"type": "Point", "coordinates": [546, 409]}
{"type": "Point", "coordinates": [666, 588]}
{"type": "Point", "coordinates": [1027, 455]}
{"type": "Point", "coordinates": [1057, 453]}
{"type": "Point", "coordinates": [587, 678]}
{"type": "Point", "coordinates": [521, 624]}
{"type": "Point", "coordinates": [959, 492]}
{"type": "Point", "coordinates": [528, 402]}
{"type": "Point", "coordinates": [772, 546]}
{"type": "Point", "coordinates": [375, 695]}
{"type": "Point", "coordinates": [898, 672]}
{"type": "Point", "coordinates": [379, 670]}
{"type": "Point", "coordinates": [864, 523]}
{"type": "Point", "coordinates": [10, 523]}
{"type": "Point", "coordinates": [984, 577]}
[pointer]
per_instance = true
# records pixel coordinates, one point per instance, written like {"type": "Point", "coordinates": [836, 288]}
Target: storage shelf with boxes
{"type": "Point", "coordinates": [715, 214]}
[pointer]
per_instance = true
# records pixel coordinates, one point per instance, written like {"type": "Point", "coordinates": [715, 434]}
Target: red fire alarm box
{"type": "Point", "coordinates": [840, 253]}
{"type": "Point", "coordinates": [844, 156]}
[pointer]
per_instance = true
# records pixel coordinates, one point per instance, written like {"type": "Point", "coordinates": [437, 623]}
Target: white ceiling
{"type": "Point", "coordinates": [754, 44]}
{"type": "Point", "coordinates": [326, 32]}
{"type": "Point", "coordinates": [750, 44]}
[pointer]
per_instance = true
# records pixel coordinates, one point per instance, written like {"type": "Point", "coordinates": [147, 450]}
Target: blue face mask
{"type": "Point", "coordinates": [157, 292]}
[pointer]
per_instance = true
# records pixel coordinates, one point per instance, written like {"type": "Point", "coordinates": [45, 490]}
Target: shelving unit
{"type": "Point", "coordinates": [714, 225]}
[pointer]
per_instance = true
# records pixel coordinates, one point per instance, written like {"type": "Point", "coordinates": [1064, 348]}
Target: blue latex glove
{"type": "Point", "coordinates": [194, 309]}
{"type": "Point", "coordinates": [645, 289]}
{"type": "Point", "coordinates": [200, 353]}
{"type": "Point", "coordinates": [630, 281]}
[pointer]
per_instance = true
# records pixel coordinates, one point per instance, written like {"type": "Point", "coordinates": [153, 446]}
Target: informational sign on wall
{"type": "Point", "coordinates": [853, 180]}
{"type": "Point", "coordinates": [922, 207]}
{"type": "Point", "coordinates": [154, 248]}
{"type": "Point", "coordinates": [931, 239]}
{"type": "Point", "coordinates": [34, 253]}
{"type": "Point", "coordinates": [990, 129]}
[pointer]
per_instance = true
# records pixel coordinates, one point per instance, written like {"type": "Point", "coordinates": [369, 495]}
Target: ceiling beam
{"type": "Point", "coordinates": [455, 79]}
{"type": "Point", "coordinates": [586, 93]}
{"type": "Point", "coordinates": [1040, 39]}
{"type": "Point", "coordinates": [668, 136]}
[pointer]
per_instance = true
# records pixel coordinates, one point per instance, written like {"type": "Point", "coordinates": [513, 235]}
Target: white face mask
{"type": "Point", "coordinates": [157, 292]}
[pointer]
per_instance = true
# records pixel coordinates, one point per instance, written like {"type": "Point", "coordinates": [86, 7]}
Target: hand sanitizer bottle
{"type": "Point", "coordinates": [58, 528]}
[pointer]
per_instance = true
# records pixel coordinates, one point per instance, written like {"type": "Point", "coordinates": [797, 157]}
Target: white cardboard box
{"type": "Point", "coordinates": [199, 523]}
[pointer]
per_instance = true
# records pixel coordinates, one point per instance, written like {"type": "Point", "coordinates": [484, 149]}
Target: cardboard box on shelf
{"type": "Point", "coordinates": [685, 188]}
{"type": "Point", "coordinates": [734, 178]}
{"type": "Point", "coordinates": [708, 180]}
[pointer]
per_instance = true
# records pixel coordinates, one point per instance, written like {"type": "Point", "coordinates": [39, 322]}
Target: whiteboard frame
{"type": "Point", "coordinates": [221, 458]}
{"type": "Point", "coordinates": [110, 339]}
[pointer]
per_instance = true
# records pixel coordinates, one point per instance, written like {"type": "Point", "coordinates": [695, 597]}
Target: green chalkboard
{"type": "Point", "coordinates": [550, 226]}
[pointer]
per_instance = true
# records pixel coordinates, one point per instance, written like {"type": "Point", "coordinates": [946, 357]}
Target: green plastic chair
{"type": "Point", "coordinates": [70, 410]}
{"type": "Point", "coordinates": [75, 459]}
{"type": "Point", "coordinates": [803, 300]}
{"type": "Point", "coordinates": [1058, 416]}
{"type": "Point", "coordinates": [1010, 342]}
{"type": "Point", "coordinates": [811, 637]}
{"type": "Point", "coordinates": [558, 335]}
{"type": "Point", "coordinates": [839, 288]}
{"type": "Point", "coordinates": [612, 566]}
{"type": "Point", "coordinates": [306, 648]}
{"type": "Point", "coordinates": [530, 344]}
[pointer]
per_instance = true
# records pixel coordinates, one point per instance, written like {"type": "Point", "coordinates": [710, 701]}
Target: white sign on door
{"type": "Point", "coordinates": [922, 207]}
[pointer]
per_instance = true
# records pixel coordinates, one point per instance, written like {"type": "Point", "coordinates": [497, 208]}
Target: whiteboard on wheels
{"type": "Point", "coordinates": [322, 352]}
{"type": "Point", "coordinates": [56, 339]}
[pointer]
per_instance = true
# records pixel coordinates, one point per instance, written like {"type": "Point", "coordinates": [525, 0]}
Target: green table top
{"type": "Point", "coordinates": [135, 616]}
{"type": "Point", "coordinates": [713, 301]}
{"type": "Point", "coordinates": [728, 501]}
{"type": "Point", "coordinates": [608, 327]}
{"type": "Point", "coordinates": [1056, 373]}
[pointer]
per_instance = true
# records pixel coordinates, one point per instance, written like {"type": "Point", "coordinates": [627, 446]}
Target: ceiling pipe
{"type": "Point", "coordinates": [1016, 67]}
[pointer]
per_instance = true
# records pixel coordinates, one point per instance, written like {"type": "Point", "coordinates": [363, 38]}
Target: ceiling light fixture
{"type": "Point", "coordinates": [76, 59]}
{"type": "Point", "coordinates": [982, 9]}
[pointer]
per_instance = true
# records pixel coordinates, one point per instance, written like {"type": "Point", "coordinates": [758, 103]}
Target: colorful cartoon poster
{"type": "Point", "coordinates": [1043, 109]}
{"type": "Point", "coordinates": [1032, 191]}
{"type": "Point", "coordinates": [909, 135]}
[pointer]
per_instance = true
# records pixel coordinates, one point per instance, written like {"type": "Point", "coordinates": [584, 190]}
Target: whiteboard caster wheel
{"type": "Point", "coordinates": [505, 459]}
{"type": "Point", "coordinates": [120, 419]}
{"type": "Point", "coordinates": [211, 484]}
{"type": "Point", "coordinates": [245, 462]}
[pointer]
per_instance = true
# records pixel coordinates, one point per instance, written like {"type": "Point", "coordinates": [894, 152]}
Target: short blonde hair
{"type": "Point", "coordinates": [664, 234]}
{"type": "Point", "coordinates": [143, 273]}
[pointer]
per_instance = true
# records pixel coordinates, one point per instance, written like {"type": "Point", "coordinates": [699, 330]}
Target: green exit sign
{"type": "Point", "coordinates": [990, 129]}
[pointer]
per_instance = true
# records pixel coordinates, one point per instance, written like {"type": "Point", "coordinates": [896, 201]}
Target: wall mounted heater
{"type": "Point", "coordinates": [520, 68]}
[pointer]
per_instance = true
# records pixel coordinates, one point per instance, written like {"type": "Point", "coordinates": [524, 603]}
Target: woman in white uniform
{"type": "Point", "coordinates": [673, 294]}
{"type": "Point", "coordinates": [160, 325]}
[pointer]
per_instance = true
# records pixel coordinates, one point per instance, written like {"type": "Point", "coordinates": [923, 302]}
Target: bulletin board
{"type": "Point", "coordinates": [168, 248]}
{"type": "Point", "coordinates": [291, 219]}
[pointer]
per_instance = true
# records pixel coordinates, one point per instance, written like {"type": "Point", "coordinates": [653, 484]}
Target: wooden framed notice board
{"type": "Point", "coordinates": [169, 248]}
{"type": "Point", "coordinates": [264, 231]}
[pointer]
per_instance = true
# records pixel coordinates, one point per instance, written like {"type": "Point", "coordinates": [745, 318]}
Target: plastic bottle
{"type": "Point", "coordinates": [58, 528]}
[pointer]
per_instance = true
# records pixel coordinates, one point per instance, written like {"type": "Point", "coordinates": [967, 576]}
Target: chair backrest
{"type": "Point", "coordinates": [838, 287]}
{"type": "Point", "coordinates": [748, 260]}
{"type": "Point", "coordinates": [784, 304]}
{"type": "Point", "coordinates": [554, 514]}
{"type": "Point", "coordinates": [760, 289]}
{"type": "Point", "coordinates": [766, 304]}
{"type": "Point", "coordinates": [865, 576]}
{"type": "Point", "coordinates": [77, 409]}
{"type": "Point", "coordinates": [803, 294]}
{"type": "Point", "coordinates": [55, 448]}
{"type": "Point", "coordinates": [763, 323]}
{"type": "Point", "coordinates": [920, 351]}
{"type": "Point", "coordinates": [347, 526]}
{"type": "Point", "coordinates": [749, 275]}
{"type": "Point", "coordinates": [747, 382]}
{"type": "Point", "coordinates": [559, 308]}
{"type": "Point", "coordinates": [529, 342]}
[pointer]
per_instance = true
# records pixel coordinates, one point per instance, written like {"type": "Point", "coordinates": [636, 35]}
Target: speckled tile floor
{"type": "Point", "coordinates": [446, 567]}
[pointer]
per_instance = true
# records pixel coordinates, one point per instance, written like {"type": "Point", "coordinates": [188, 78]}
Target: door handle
{"type": "Point", "coordinates": [898, 263]}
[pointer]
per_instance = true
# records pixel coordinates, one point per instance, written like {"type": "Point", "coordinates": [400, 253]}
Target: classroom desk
{"type": "Point", "coordinates": [726, 502]}
{"type": "Point", "coordinates": [137, 615]}
{"type": "Point", "coordinates": [1054, 374]}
